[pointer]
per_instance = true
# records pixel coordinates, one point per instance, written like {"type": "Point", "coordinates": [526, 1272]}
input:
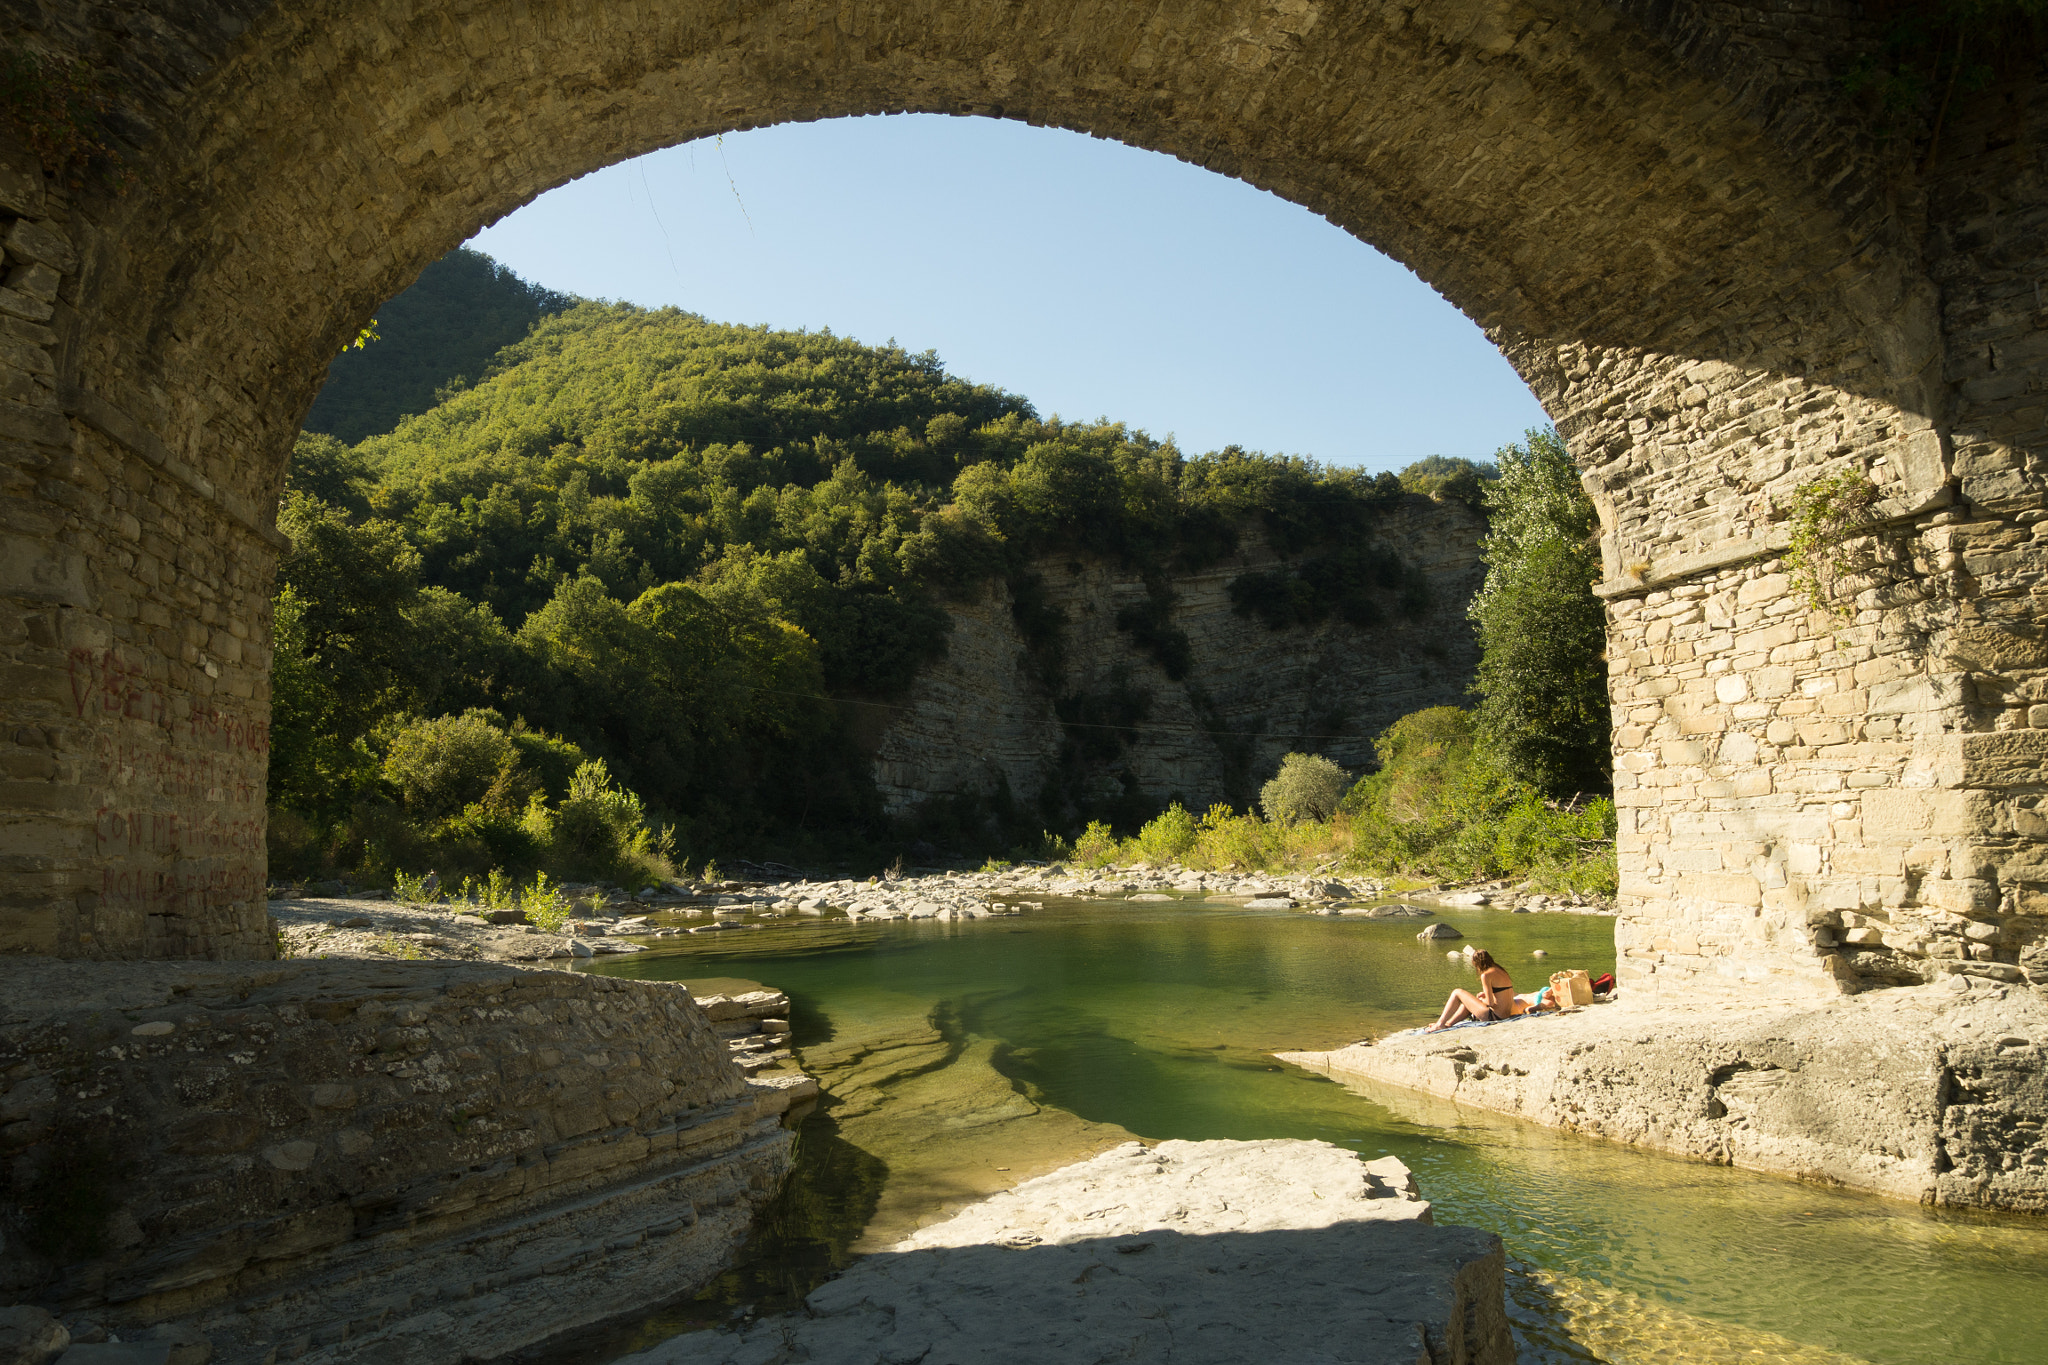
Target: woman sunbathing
{"type": "Point", "coordinates": [1496, 998]}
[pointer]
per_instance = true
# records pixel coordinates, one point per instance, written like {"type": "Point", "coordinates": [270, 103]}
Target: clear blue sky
{"type": "Point", "coordinates": [1093, 278]}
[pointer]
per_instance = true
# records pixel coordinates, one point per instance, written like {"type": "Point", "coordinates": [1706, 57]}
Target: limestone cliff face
{"type": "Point", "coordinates": [1109, 720]}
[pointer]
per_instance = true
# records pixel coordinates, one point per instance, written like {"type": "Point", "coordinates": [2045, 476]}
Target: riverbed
{"type": "Point", "coordinates": [962, 1057]}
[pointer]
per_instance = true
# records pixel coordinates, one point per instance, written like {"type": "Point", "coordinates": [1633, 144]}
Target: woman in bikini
{"type": "Point", "coordinates": [1496, 998]}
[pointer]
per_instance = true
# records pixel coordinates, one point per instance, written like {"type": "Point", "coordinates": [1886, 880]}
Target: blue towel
{"type": "Point", "coordinates": [1482, 1023]}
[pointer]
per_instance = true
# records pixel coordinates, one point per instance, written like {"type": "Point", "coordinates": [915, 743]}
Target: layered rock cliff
{"type": "Point", "coordinates": [405, 1163]}
{"type": "Point", "coordinates": [1050, 692]}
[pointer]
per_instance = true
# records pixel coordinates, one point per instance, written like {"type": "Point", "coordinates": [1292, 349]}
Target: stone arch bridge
{"type": "Point", "coordinates": [1717, 277]}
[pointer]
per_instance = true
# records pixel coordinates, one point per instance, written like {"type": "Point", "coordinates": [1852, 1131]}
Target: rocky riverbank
{"type": "Point", "coordinates": [1188, 1252]}
{"type": "Point", "coordinates": [970, 895]}
{"type": "Point", "coordinates": [1936, 1094]}
{"type": "Point", "coordinates": [607, 920]}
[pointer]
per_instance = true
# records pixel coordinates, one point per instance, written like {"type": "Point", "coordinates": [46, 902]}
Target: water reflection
{"type": "Point", "coordinates": [956, 1050]}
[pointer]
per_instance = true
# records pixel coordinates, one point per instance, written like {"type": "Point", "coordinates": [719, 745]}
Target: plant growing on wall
{"type": "Point", "coordinates": [1829, 519]}
{"type": "Point", "coordinates": [1931, 51]}
{"type": "Point", "coordinates": [59, 110]}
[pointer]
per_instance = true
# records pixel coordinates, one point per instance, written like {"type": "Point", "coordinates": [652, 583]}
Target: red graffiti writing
{"type": "Point", "coordinates": [181, 774]}
{"type": "Point", "coordinates": [170, 833]}
{"type": "Point", "coordinates": [103, 684]}
{"type": "Point", "coordinates": [182, 888]}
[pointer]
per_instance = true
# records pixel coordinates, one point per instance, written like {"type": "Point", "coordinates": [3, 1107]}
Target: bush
{"type": "Point", "coordinates": [1097, 846]}
{"type": "Point", "coordinates": [413, 889]}
{"type": "Point", "coordinates": [600, 831]}
{"type": "Point", "coordinates": [545, 906]}
{"type": "Point", "coordinates": [1307, 787]}
{"type": "Point", "coordinates": [292, 842]}
{"type": "Point", "coordinates": [1167, 838]}
{"type": "Point", "coordinates": [485, 835]}
{"type": "Point", "coordinates": [493, 892]}
{"type": "Point", "coordinates": [450, 762]}
{"type": "Point", "coordinates": [1443, 805]}
{"type": "Point", "coordinates": [1225, 840]}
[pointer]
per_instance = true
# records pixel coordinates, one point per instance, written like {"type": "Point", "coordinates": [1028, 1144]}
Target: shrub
{"type": "Point", "coordinates": [1436, 801]}
{"type": "Point", "coordinates": [413, 890]}
{"type": "Point", "coordinates": [1226, 840]}
{"type": "Point", "coordinates": [1307, 787]}
{"type": "Point", "coordinates": [494, 891]}
{"type": "Point", "coordinates": [1443, 805]}
{"type": "Point", "coordinates": [1097, 846]}
{"type": "Point", "coordinates": [1167, 838]}
{"type": "Point", "coordinates": [444, 764]}
{"type": "Point", "coordinates": [545, 906]}
{"type": "Point", "coordinates": [485, 835]}
{"type": "Point", "coordinates": [375, 839]}
{"type": "Point", "coordinates": [1831, 521]}
{"type": "Point", "coordinates": [292, 842]}
{"type": "Point", "coordinates": [600, 830]}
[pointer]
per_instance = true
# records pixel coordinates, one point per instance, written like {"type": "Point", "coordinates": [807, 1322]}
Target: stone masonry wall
{"type": "Point", "coordinates": [1694, 247]}
{"type": "Point", "coordinates": [979, 718]}
{"type": "Point", "coordinates": [137, 684]}
{"type": "Point", "coordinates": [1815, 802]}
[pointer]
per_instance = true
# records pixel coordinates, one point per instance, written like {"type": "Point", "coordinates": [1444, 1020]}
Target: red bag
{"type": "Point", "coordinates": [1603, 983]}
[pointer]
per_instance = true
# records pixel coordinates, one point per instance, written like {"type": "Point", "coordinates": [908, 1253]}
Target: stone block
{"type": "Point", "coordinates": [1960, 896]}
{"type": "Point", "coordinates": [2006, 758]}
{"type": "Point", "coordinates": [31, 240]}
{"type": "Point", "coordinates": [1728, 888]}
{"type": "Point", "coordinates": [1683, 753]}
{"type": "Point", "coordinates": [1765, 588]}
{"type": "Point", "coordinates": [35, 280]}
{"type": "Point", "coordinates": [1996, 649]}
{"type": "Point", "coordinates": [1893, 812]}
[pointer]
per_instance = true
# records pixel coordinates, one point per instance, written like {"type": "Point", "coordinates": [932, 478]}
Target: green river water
{"type": "Point", "coordinates": [962, 1057]}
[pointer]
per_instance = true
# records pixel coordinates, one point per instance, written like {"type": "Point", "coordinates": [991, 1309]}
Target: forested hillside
{"type": "Point", "coordinates": [665, 543]}
{"type": "Point", "coordinates": [614, 596]}
{"type": "Point", "coordinates": [440, 333]}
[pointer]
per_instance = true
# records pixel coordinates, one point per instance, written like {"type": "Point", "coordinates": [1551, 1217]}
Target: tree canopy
{"type": "Point", "coordinates": [676, 545]}
{"type": "Point", "coordinates": [441, 332]}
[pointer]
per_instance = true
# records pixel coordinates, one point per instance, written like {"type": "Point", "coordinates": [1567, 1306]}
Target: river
{"type": "Point", "coordinates": [961, 1057]}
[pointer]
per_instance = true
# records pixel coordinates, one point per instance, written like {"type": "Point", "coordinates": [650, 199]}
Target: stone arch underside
{"type": "Point", "coordinates": [1691, 252]}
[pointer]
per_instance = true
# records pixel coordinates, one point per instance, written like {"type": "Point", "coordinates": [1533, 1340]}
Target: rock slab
{"type": "Point", "coordinates": [372, 1163]}
{"type": "Point", "coordinates": [1200, 1253]}
{"type": "Point", "coordinates": [1934, 1094]}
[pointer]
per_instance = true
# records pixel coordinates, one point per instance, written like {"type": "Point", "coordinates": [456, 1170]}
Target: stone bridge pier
{"type": "Point", "coordinates": [1722, 278]}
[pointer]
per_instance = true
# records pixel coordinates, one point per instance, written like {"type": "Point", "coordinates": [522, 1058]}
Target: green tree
{"type": "Point", "coordinates": [341, 657]}
{"type": "Point", "coordinates": [449, 762]}
{"type": "Point", "coordinates": [1451, 478]}
{"type": "Point", "coordinates": [441, 331]}
{"type": "Point", "coordinates": [1542, 671]}
{"type": "Point", "coordinates": [1307, 787]}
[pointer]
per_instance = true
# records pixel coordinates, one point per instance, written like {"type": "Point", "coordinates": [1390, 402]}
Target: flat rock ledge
{"type": "Point", "coordinates": [1936, 1094]}
{"type": "Point", "coordinates": [361, 1162]}
{"type": "Point", "coordinates": [1193, 1252]}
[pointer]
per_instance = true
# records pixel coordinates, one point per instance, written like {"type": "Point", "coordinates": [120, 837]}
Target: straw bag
{"type": "Point", "coordinates": [1571, 989]}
